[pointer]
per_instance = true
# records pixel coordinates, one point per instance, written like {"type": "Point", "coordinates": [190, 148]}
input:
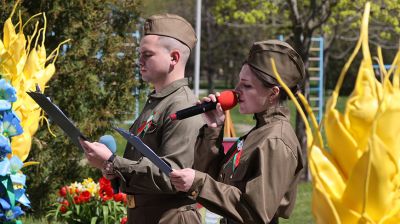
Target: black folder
{"type": "Point", "coordinates": [145, 150]}
{"type": "Point", "coordinates": [74, 133]}
{"type": "Point", "coordinates": [58, 117]}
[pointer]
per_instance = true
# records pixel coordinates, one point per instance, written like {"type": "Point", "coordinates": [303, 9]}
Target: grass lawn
{"type": "Point", "coordinates": [302, 210]}
{"type": "Point", "coordinates": [31, 220]}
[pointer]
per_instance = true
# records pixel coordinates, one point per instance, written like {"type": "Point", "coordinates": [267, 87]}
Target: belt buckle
{"type": "Point", "coordinates": [131, 201]}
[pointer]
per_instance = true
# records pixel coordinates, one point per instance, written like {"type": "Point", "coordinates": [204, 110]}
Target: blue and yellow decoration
{"type": "Point", "coordinates": [12, 186]}
{"type": "Point", "coordinates": [23, 65]}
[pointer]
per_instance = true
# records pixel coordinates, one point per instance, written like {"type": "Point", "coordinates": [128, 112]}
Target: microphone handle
{"type": "Point", "coordinates": [109, 141]}
{"type": "Point", "coordinates": [195, 110]}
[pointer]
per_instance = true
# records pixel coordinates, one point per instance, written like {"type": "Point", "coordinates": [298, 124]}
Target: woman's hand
{"type": "Point", "coordinates": [182, 179]}
{"type": "Point", "coordinates": [213, 118]}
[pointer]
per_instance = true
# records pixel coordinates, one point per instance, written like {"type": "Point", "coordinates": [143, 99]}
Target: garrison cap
{"type": "Point", "coordinates": [287, 61]}
{"type": "Point", "coordinates": [171, 25]}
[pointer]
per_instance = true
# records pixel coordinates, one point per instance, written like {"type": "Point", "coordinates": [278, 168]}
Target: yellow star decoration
{"type": "Point", "coordinates": [24, 67]}
{"type": "Point", "coordinates": [358, 180]}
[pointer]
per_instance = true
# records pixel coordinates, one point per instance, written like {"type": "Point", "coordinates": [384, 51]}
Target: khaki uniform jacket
{"type": "Point", "coordinates": [173, 141]}
{"type": "Point", "coordinates": [264, 183]}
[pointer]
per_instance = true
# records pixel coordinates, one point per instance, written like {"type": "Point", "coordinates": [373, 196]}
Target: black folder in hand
{"type": "Point", "coordinates": [145, 150]}
{"type": "Point", "coordinates": [58, 117]}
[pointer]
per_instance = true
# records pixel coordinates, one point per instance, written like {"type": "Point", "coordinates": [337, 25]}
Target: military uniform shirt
{"type": "Point", "coordinates": [258, 186]}
{"type": "Point", "coordinates": [173, 141]}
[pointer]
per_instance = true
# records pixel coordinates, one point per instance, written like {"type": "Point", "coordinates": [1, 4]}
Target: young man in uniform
{"type": "Point", "coordinates": [164, 51]}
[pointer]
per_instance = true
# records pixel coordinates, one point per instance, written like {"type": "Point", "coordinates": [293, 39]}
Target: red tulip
{"type": "Point", "coordinates": [124, 220]}
{"type": "Point", "coordinates": [65, 202]}
{"type": "Point", "coordinates": [104, 182]}
{"type": "Point", "coordinates": [120, 197]}
{"type": "Point", "coordinates": [64, 206]}
{"type": "Point", "coordinates": [84, 196]}
{"type": "Point", "coordinates": [106, 193]}
{"type": "Point", "coordinates": [63, 209]}
{"type": "Point", "coordinates": [77, 200]}
{"type": "Point", "coordinates": [63, 191]}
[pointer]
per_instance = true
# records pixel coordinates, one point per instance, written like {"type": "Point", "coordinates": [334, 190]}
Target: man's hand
{"type": "Point", "coordinates": [96, 153]}
{"type": "Point", "coordinates": [182, 179]}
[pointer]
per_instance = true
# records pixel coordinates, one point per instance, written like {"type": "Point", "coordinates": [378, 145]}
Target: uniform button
{"type": "Point", "coordinates": [194, 193]}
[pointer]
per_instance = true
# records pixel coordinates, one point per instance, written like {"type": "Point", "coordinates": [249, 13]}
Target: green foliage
{"type": "Point", "coordinates": [341, 14]}
{"type": "Point", "coordinates": [182, 8]}
{"type": "Point", "coordinates": [93, 83]}
{"type": "Point", "coordinates": [337, 21]}
{"type": "Point", "coordinates": [384, 19]}
{"type": "Point", "coordinates": [249, 12]}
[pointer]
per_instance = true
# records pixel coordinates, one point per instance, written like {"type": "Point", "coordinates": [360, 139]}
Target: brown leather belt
{"type": "Point", "coordinates": [143, 200]}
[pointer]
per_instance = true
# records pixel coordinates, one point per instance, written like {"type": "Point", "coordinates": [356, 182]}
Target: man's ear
{"type": "Point", "coordinates": [175, 57]}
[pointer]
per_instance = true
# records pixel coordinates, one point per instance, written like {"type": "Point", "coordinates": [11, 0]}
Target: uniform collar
{"type": "Point", "coordinates": [272, 114]}
{"type": "Point", "coordinates": [170, 88]}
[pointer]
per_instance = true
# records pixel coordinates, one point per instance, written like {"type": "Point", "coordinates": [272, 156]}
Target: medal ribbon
{"type": "Point", "coordinates": [235, 157]}
{"type": "Point", "coordinates": [143, 128]}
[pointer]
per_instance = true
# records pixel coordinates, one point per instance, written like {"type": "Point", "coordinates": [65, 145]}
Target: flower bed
{"type": "Point", "coordinates": [89, 202]}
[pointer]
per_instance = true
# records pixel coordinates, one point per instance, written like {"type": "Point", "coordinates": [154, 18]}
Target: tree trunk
{"type": "Point", "coordinates": [302, 44]}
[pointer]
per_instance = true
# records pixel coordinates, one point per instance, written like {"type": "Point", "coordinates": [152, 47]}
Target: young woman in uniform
{"type": "Point", "coordinates": [256, 180]}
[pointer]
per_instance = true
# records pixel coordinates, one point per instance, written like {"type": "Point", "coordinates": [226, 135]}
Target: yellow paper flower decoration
{"type": "Point", "coordinates": [24, 63]}
{"type": "Point", "coordinates": [358, 180]}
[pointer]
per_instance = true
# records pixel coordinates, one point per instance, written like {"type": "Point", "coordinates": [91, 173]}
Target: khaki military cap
{"type": "Point", "coordinates": [171, 26]}
{"type": "Point", "coordinates": [288, 63]}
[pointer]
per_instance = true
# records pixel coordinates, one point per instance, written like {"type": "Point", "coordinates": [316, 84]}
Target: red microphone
{"type": "Point", "coordinates": [228, 99]}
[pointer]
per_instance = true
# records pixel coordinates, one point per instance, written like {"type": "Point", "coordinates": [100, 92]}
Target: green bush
{"type": "Point", "coordinates": [93, 84]}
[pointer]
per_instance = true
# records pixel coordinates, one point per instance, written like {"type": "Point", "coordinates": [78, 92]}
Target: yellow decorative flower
{"type": "Point", "coordinates": [24, 63]}
{"type": "Point", "coordinates": [358, 179]}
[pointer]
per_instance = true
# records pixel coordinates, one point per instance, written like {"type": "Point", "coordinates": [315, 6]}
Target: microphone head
{"type": "Point", "coordinates": [109, 141]}
{"type": "Point", "coordinates": [228, 99]}
{"type": "Point", "coordinates": [172, 117]}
